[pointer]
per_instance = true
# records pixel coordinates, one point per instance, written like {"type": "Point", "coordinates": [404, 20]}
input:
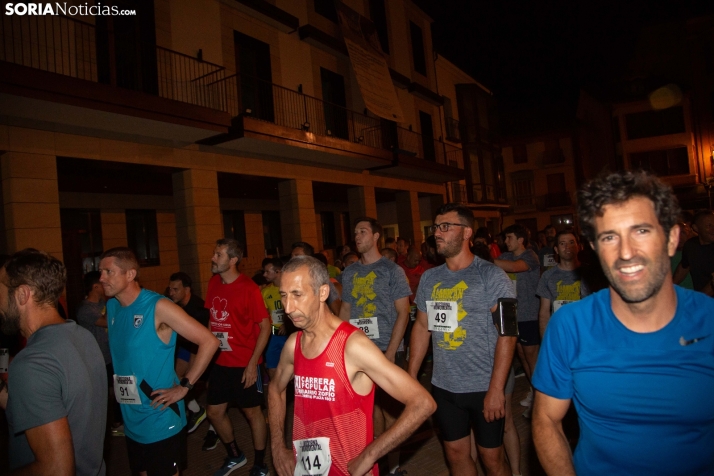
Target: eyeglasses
{"type": "Point", "coordinates": [444, 227]}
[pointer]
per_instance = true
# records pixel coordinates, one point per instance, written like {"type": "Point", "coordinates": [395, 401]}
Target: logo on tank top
{"type": "Point", "coordinates": [218, 309]}
{"type": "Point", "coordinates": [315, 388]}
{"type": "Point", "coordinates": [138, 320]}
{"type": "Point", "coordinates": [452, 340]}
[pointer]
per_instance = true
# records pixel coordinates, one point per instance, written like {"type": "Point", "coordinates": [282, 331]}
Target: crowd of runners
{"type": "Point", "coordinates": [321, 351]}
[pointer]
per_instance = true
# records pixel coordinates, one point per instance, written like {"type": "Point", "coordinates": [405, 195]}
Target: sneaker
{"type": "Point", "coordinates": [259, 471]}
{"type": "Point", "coordinates": [118, 430]}
{"type": "Point", "coordinates": [231, 464]}
{"type": "Point", "coordinates": [210, 441]}
{"type": "Point", "coordinates": [528, 401]}
{"type": "Point", "coordinates": [195, 419]}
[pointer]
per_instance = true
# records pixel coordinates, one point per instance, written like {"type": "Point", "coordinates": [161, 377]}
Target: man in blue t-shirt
{"type": "Point", "coordinates": [637, 358]}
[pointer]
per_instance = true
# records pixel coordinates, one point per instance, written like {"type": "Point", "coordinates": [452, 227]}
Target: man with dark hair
{"type": "Point", "coordinates": [302, 248]}
{"type": "Point", "coordinates": [635, 358]}
{"type": "Point", "coordinates": [471, 360]}
{"type": "Point", "coordinates": [390, 243]}
{"type": "Point", "coordinates": [389, 253]}
{"type": "Point", "coordinates": [56, 401]}
{"type": "Point", "coordinates": [484, 236]}
{"type": "Point", "coordinates": [240, 320]}
{"type": "Point", "coordinates": [143, 326]}
{"type": "Point", "coordinates": [335, 369]}
{"type": "Point", "coordinates": [564, 283]}
{"type": "Point", "coordinates": [698, 254]}
{"type": "Point", "coordinates": [181, 293]}
{"type": "Point", "coordinates": [402, 249]}
{"type": "Point", "coordinates": [523, 268]}
{"type": "Point", "coordinates": [92, 315]}
{"type": "Point", "coordinates": [375, 295]}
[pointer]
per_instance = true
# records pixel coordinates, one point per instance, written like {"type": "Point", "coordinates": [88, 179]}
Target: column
{"type": "Point", "coordinates": [198, 222]}
{"type": "Point", "coordinates": [31, 202]}
{"type": "Point", "coordinates": [408, 217]}
{"type": "Point", "coordinates": [297, 213]}
{"type": "Point", "coordinates": [254, 242]}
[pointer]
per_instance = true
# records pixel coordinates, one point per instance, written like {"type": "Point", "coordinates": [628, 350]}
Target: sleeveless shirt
{"type": "Point", "coordinates": [326, 405]}
{"type": "Point", "coordinates": [137, 350]}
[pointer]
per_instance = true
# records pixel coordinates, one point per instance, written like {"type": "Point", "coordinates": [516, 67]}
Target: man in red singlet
{"type": "Point", "coordinates": [335, 367]}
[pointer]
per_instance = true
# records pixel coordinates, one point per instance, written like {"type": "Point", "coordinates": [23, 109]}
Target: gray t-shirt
{"type": "Point", "coordinates": [560, 285]}
{"type": "Point", "coordinates": [370, 290]}
{"type": "Point", "coordinates": [60, 373]}
{"type": "Point", "coordinates": [87, 315]}
{"type": "Point", "coordinates": [546, 257]}
{"type": "Point", "coordinates": [463, 360]}
{"type": "Point", "coordinates": [526, 284]}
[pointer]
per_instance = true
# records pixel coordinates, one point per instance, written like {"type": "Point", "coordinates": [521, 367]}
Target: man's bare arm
{"type": "Point", "coordinates": [494, 403]}
{"type": "Point", "coordinates": [400, 327]}
{"type": "Point", "coordinates": [250, 375]}
{"type": "Point", "coordinates": [518, 266]}
{"type": "Point", "coordinates": [189, 328]}
{"type": "Point", "coordinates": [345, 311]}
{"type": "Point", "coordinates": [543, 315]}
{"type": "Point", "coordinates": [363, 355]}
{"type": "Point", "coordinates": [680, 273]}
{"type": "Point", "coordinates": [52, 446]}
{"type": "Point", "coordinates": [548, 436]}
{"type": "Point", "coordinates": [419, 344]}
{"type": "Point", "coordinates": [283, 459]}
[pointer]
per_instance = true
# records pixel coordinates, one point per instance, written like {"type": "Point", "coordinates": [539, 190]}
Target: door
{"type": "Point", "coordinates": [333, 93]}
{"type": "Point", "coordinates": [427, 136]}
{"type": "Point", "coordinates": [81, 248]}
{"type": "Point", "coordinates": [254, 77]}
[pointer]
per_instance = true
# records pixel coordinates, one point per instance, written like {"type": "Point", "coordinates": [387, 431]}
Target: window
{"type": "Point", "coordinates": [418, 49]}
{"type": "Point", "coordinates": [272, 233]}
{"type": "Point", "coordinates": [142, 236]}
{"type": "Point", "coordinates": [326, 8]}
{"type": "Point", "coordinates": [520, 154]}
{"type": "Point", "coordinates": [662, 162]}
{"type": "Point", "coordinates": [234, 227]}
{"type": "Point", "coordinates": [655, 123]}
{"type": "Point", "coordinates": [557, 195]}
{"type": "Point", "coordinates": [327, 219]}
{"type": "Point", "coordinates": [379, 17]}
{"type": "Point", "coordinates": [523, 188]}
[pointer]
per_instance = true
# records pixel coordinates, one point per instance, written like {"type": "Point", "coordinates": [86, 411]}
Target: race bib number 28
{"type": "Point", "coordinates": [368, 325]}
{"type": "Point", "coordinates": [312, 456]}
{"type": "Point", "coordinates": [442, 316]}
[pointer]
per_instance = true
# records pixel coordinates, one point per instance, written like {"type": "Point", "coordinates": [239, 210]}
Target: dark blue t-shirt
{"type": "Point", "coordinates": [643, 399]}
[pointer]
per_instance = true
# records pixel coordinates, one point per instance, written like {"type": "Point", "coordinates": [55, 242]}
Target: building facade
{"type": "Point", "coordinates": [198, 119]}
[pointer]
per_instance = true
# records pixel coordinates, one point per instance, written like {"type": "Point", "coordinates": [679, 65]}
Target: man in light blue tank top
{"type": "Point", "coordinates": [637, 358]}
{"type": "Point", "coordinates": [142, 339]}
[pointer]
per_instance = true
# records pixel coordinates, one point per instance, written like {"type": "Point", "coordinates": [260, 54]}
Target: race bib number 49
{"type": "Point", "coordinates": [368, 325]}
{"type": "Point", "coordinates": [442, 316]}
{"type": "Point", "coordinates": [125, 390]}
{"type": "Point", "coordinates": [223, 338]}
{"type": "Point", "coordinates": [312, 456]}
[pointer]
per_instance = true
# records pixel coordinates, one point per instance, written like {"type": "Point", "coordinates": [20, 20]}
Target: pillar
{"type": "Point", "coordinates": [198, 222]}
{"type": "Point", "coordinates": [254, 242]}
{"type": "Point", "coordinates": [297, 213]}
{"type": "Point", "coordinates": [31, 202]}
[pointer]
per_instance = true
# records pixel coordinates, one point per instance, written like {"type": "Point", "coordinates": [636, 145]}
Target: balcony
{"type": "Point", "coordinates": [452, 130]}
{"type": "Point", "coordinates": [488, 194]}
{"type": "Point", "coordinates": [458, 192]}
{"type": "Point", "coordinates": [54, 64]}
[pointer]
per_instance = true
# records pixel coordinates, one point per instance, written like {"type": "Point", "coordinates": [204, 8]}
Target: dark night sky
{"type": "Point", "coordinates": [535, 55]}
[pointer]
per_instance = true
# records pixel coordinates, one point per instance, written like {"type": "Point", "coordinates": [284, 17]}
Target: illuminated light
{"type": "Point", "coordinates": [665, 97]}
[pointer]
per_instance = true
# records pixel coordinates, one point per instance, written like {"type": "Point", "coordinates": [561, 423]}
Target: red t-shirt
{"type": "Point", "coordinates": [236, 310]}
{"type": "Point", "coordinates": [327, 406]}
{"type": "Point", "coordinates": [413, 276]}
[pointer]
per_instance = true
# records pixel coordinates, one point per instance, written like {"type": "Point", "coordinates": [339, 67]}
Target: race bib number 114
{"type": "Point", "coordinates": [313, 457]}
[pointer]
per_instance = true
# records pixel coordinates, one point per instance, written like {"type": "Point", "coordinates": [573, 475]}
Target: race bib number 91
{"type": "Point", "coordinates": [125, 390]}
{"type": "Point", "coordinates": [312, 456]}
{"type": "Point", "coordinates": [442, 316]}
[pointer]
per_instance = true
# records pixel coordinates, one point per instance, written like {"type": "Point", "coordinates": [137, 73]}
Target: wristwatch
{"type": "Point", "coordinates": [186, 383]}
